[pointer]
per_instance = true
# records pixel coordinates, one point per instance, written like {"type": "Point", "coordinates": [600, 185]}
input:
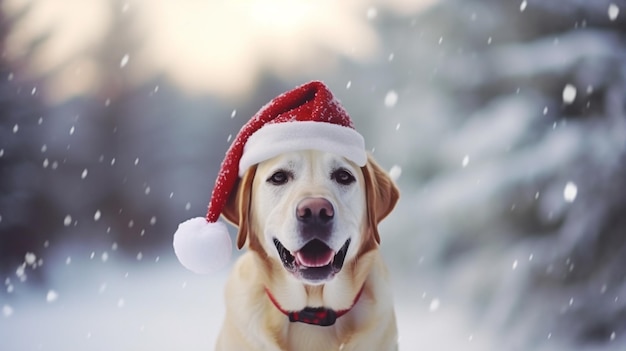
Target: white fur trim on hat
{"type": "Point", "coordinates": [201, 246]}
{"type": "Point", "coordinates": [273, 139]}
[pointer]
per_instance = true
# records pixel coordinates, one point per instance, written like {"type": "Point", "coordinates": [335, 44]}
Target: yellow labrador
{"type": "Point", "coordinates": [313, 277]}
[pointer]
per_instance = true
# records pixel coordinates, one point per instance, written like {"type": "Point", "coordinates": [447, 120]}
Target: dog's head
{"type": "Point", "coordinates": [311, 211]}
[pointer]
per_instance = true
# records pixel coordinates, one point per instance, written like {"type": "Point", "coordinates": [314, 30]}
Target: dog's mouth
{"type": "Point", "coordinates": [315, 261]}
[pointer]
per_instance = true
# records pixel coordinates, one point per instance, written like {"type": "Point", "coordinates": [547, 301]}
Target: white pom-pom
{"type": "Point", "coordinates": [201, 246]}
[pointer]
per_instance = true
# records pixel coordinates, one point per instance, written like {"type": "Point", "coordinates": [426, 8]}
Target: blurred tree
{"type": "Point", "coordinates": [518, 158]}
{"type": "Point", "coordinates": [25, 211]}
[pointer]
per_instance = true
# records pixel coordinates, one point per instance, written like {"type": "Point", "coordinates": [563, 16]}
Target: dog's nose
{"type": "Point", "coordinates": [315, 210]}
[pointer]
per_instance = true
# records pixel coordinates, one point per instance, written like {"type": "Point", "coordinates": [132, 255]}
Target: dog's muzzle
{"type": "Point", "coordinates": [315, 261]}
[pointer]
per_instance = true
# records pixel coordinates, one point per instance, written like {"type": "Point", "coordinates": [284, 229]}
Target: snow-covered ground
{"type": "Point", "coordinates": [105, 302]}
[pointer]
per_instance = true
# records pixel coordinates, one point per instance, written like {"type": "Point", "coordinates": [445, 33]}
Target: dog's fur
{"type": "Point", "coordinates": [265, 210]}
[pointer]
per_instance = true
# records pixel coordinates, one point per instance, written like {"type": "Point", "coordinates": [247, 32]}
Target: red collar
{"type": "Point", "coordinates": [313, 315]}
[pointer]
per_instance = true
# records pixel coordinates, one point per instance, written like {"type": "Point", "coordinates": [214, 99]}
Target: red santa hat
{"type": "Point", "coordinates": [305, 118]}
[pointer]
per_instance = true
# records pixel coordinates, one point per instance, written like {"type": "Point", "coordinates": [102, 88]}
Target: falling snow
{"type": "Point", "coordinates": [569, 94]}
{"type": "Point", "coordinates": [523, 5]}
{"type": "Point", "coordinates": [372, 12]}
{"type": "Point", "coordinates": [51, 296]}
{"type": "Point", "coordinates": [97, 215]}
{"type": "Point", "coordinates": [613, 12]}
{"type": "Point", "coordinates": [391, 98]}
{"type": "Point", "coordinates": [67, 221]}
{"type": "Point", "coordinates": [395, 172]}
{"type": "Point", "coordinates": [434, 305]}
{"type": "Point", "coordinates": [570, 191]}
{"type": "Point", "coordinates": [7, 311]}
{"type": "Point", "coordinates": [30, 258]}
{"type": "Point", "coordinates": [465, 161]}
{"type": "Point", "coordinates": [124, 61]}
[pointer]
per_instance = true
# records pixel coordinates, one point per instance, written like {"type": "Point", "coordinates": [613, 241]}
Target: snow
{"type": "Point", "coordinates": [67, 220]}
{"type": "Point", "coordinates": [158, 307]}
{"type": "Point", "coordinates": [613, 11]}
{"type": "Point", "coordinates": [161, 306]}
{"type": "Point", "coordinates": [52, 296]}
{"type": "Point", "coordinates": [7, 311]}
{"type": "Point", "coordinates": [569, 94]}
{"type": "Point", "coordinates": [465, 161]}
{"type": "Point", "coordinates": [30, 258]}
{"type": "Point", "coordinates": [395, 172]}
{"type": "Point", "coordinates": [570, 191]}
{"type": "Point", "coordinates": [523, 6]}
{"type": "Point", "coordinates": [124, 60]}
{"type": "Point", "coordinates": [371, 13]}
{"type": "Point", "coordinates": [434, 305]}
{"type": "Point", "coordinates": [391, 98]}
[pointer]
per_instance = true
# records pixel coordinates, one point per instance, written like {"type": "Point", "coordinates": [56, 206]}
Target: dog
{"type": "Point", "coordinates": [312, 277]}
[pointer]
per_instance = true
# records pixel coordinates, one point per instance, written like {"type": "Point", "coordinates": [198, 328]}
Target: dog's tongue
{"type": "Point", "coordinates": [315, 254]}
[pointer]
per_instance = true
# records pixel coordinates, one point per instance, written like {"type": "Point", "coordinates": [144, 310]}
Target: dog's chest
{"type": "Point", "coordinates": [306, 337]}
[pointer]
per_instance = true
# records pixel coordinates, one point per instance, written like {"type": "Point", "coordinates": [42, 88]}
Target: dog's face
{"type": "Point", "coordinates": [311, 211]}
{"type": "Point", "coordinates": [310, 207]}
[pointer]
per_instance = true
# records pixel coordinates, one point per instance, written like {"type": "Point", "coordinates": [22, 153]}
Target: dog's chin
{"type": "Point", "coordinates": [315, 263]}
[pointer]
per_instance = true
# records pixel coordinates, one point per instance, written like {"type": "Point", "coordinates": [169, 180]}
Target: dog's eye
{"type": "Point", "coordinates": [279, 178]}
{"type": "Point", "coordinates": [342, 177]}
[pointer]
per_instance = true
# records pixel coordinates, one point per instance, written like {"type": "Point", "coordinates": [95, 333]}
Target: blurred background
{"type": "Point", "coordinates": [503, 123]}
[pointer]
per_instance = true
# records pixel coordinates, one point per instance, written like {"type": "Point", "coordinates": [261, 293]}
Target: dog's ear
{"type": "Point", "coordinates": [381, 194]}
{"type": "Point", "coordinates": [237, 207]}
